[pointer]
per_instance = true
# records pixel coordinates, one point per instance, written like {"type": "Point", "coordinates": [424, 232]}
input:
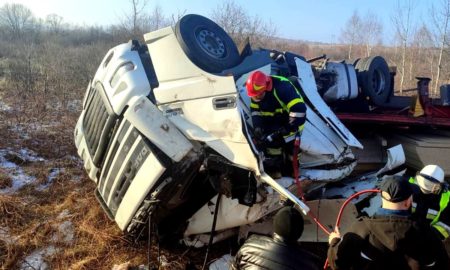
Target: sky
{"type": "Point", "coordinates": [313, 20]}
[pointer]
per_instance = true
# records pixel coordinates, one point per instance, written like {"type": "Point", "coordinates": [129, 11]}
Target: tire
{"type": "Point", "coordinates": [206, 44]}
{"type": "Point", "coordinates": [374, 79]}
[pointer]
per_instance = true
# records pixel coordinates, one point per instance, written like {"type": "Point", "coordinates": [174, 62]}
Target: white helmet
{"type": "Point", "coordinates": [430, 179]}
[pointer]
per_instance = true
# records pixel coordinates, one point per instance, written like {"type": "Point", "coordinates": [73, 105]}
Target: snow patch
{"type": "Point", "coordinates": [15, 172]}
{"type": "Point", "coordinates": [4, 107]}
{"type": "Point", "coordinates": [65, 213]}
{"type": "Point", "coordinates": [20, 130]}
{"type": "Point", "coordinates": [65, 230]}
{"type": "Point", "coordinates": [65, 233]}
{"type": "Point", "coordinates": [35, 261]}
{"type": "Point", "coordinates": [30, 155]}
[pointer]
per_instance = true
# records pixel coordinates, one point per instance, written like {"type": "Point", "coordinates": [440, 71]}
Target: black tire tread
{"type": "Point", "coordinates": [185, 33]}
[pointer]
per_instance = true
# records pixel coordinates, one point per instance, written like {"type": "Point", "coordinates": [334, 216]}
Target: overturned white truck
{"type": "Point", "coordinates": [166, 133]}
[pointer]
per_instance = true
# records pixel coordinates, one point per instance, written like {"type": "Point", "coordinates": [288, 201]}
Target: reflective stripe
{"type": "Point", "coordinates": [442, 228]}
{"type": "Point", "coordinates": [412, 180]}
{"type": "Point", "coordinates": [293, 102]}
{"type": "Point", "coordinates": [289, 137]}
{"type": "Point", "coordinates": [300, 128]}
{"type": "Point", "coordinates": [274, 151]}
{"type": "Point", "coordinates": [413, 207]}
{"type": "Point", "coordinates": [297, 114]}
{"type": "Point", "coordinates": [365, 256]}
{"type": "Point", "coordinates": [254, 105]}
{"type": "Point", "coordinates": [281, 78]}
{"type": "Point", "coordinates": [260, 114]}
{"type": "Point", "coordinates": [267, 113]}
{"type": "Point", "coordinates": [445, 197]}
{"type": "Point", "coordinates": [275, 94]}
{"type": "Point", "coordinates": [432, 212]}
{"type": "Point", "coordinates": [284, 79]}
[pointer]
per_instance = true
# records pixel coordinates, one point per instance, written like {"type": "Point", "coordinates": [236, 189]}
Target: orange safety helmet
{"type": "Point", "coordinates": [257, 83]}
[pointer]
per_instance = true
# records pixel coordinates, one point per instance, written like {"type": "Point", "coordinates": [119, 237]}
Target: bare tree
{"type": "Point", "coordinates": [441, 16]}
{"type": "Point", "coordinates": [235, 20]}
{"type": "Point", "coordinates": [403, 23]}
{"type": "Point", "coordinates": [372, 30]}
{"type": "Point", "coordinates": [177, 17]}
{"type": "Point", "coordinates": [139, 20]}
{"type": "Point", "coordinates": [54, 23]}
{"type": "Point", "coordinates": [351, 34]}
{"type": "Point", "coordinates": [16, 18]}
{"type": "Point", "coordinates": [132, 23]}
{"type": "Point", "coordinates": [155, 20]}
{"type": "Point", "coordinates": [422, 53]}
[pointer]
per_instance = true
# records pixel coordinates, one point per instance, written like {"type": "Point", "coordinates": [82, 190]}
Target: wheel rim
{"type": "Point", "coordinates": [211, 44]}
{"type": "Point", "coordinates": [378, 82]}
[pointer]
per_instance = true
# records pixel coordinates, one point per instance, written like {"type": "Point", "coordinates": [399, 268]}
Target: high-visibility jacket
{"type": "Point", "coordinates": [281, 107]}
{"type": "Point", "coordinates": [433, 207]}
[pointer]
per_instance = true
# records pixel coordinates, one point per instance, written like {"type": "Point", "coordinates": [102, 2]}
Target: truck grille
{"type": "Point", "coordinates": [98, 124]}
{"type": "Point", "coordinates": [126, 154]}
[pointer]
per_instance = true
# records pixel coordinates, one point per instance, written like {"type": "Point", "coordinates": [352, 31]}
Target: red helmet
{"type": "Point", "coordinates": [258, 83]}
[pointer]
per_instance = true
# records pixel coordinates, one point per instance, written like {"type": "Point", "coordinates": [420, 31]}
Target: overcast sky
{"type": "Point", "coordinates": [314, 20]}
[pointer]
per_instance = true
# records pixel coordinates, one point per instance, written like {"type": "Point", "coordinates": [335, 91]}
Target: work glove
{"type": "Point", "coordinates": [276, 136]}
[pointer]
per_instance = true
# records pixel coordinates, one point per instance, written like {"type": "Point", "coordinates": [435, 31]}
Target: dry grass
{"type": "Point", "coordinates": [32, 216]}
{"type": "Point", "coordinates": [5, 179]}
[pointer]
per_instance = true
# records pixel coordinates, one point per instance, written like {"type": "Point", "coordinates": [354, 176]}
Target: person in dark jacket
{"type": "Point", "coordinates": [278, 116]}
{"type": "Point", "coordinates": [390, 239]}
{"type": "Point", "coordinates": [281, 251]}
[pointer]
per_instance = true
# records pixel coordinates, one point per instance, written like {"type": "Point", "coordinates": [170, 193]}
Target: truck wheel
{"type": "Point", "coordinates": [206, 44]}
{"type": "Point", "coordinates": [374, 79]}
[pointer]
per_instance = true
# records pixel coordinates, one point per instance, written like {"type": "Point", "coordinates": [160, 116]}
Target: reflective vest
{"type": "Point", "coordinates": [434, 215]}
{"type": "Point", "coordinates": [284, 103]}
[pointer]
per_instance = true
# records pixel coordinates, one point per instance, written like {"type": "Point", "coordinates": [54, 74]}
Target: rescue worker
{"type": "Point", "coordinates": [281, 251]}
{"type": "Point", "coordinates": [278, 116]}
{"type": "Point", "coordinates": [390, 239]}
{"type": "Point", "coordinates": [430, 205]}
